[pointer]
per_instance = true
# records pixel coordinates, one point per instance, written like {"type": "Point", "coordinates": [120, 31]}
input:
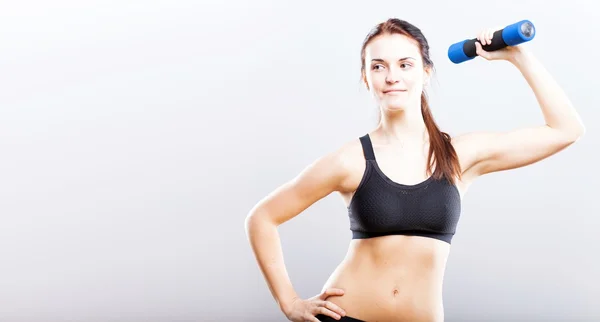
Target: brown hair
{"type": "Point", "coordinates": [440, 148]}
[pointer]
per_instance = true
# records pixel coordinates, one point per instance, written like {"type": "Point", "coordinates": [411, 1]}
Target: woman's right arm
{"type": "Point", "coordinates": [324, 176]}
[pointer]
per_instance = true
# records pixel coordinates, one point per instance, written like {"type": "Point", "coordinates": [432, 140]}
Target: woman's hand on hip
{"type": "Point", "coordinates": [305, 310]}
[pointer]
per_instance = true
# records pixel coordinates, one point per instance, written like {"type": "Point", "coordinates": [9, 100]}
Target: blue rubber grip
{"type": "Point", "coordinates": [511, 35]}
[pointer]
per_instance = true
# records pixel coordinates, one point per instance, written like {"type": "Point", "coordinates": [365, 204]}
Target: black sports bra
{"type": "Point", "coordinates": [382, 207]}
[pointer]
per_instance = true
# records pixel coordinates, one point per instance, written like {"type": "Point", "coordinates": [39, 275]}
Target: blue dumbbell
{"type": "Point", "coordinates": [511, 35]}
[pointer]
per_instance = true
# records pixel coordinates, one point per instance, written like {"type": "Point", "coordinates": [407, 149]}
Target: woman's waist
{"type": "Point", "coordinates": [388, 295]}
{"type": "Point", "coordinates": [394, 277]}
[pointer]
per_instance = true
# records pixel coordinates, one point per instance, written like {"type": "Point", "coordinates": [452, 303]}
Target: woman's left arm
{"type": "Point", "coordinates": [497, 151]}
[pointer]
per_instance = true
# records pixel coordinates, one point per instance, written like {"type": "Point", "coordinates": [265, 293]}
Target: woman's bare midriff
{"type": "Point", "coordinates": [392, 279]}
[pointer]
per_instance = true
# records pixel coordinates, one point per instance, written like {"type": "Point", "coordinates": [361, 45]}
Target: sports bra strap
{"type": "Point", "coordinates": [367, 147]}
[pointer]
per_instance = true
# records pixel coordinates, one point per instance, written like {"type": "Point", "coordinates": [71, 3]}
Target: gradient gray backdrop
{"type": "Point", "coordinates": [137, 135]}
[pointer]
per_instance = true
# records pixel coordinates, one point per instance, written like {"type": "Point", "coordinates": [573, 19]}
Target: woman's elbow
{"type": "Point", "coordinates": [256, 220]}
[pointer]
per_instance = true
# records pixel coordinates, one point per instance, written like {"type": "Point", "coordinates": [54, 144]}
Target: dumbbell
{"type": "Point", "coordinates": [511, 35]}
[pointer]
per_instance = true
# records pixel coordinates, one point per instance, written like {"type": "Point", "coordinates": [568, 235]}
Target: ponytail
{"type": "Point", "coordinates": [441, 152]}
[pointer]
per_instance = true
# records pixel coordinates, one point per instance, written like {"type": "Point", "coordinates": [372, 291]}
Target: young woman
{"type": "Point", "coordinates": [403, 182]}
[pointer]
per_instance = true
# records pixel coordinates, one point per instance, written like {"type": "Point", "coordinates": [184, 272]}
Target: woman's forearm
{"type": "Point", "coordinates": [556, 107]}
{"type": "Point", "coordinates": [266, 245]}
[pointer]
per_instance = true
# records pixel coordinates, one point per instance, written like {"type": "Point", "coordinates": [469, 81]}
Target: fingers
{"type": "Point", "coordinates": [485, 36]}
{"type": "Point", "coordinates": [331, 292]}
{"type": "Point", "coordinates": [489, 36]}
{"type": "Point", "coordinates": [311, 318]}
{"type": "Point", "coordinates": [332, 307]}
{"type": "Point", "coordinates": [324, 311]}
{"type": "Point", "coordinates": [481, 37]}
{"type": "Point", "coordinates": [321, 306]}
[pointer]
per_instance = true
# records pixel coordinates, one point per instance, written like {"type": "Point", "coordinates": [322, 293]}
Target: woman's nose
{"type": "Point", "coordinates": [393, 76]}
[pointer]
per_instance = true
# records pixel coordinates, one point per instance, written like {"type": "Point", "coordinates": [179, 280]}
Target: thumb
{"type": "Point", "coordinates": [481, 52]}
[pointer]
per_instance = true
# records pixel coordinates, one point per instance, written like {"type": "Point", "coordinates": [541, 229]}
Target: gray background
{"type": "Point", "coordinates": [136, 136]}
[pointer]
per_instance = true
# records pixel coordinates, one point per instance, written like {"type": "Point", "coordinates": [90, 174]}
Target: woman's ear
{"type": "Point", "coordinates": [364, 78]}
{"type": "Point", "coordinates": [426, 76]}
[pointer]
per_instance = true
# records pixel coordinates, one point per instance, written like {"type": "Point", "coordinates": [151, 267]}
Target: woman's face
{"type": "Point", "coordinates": [394, 71]}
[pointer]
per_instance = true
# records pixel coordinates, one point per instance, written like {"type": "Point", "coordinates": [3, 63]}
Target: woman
{"type": "Point", "coordinates": [403, 183]}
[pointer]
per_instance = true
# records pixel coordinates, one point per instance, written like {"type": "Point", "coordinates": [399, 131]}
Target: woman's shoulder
{"type": "Point", "coordinates": [346, 162]}
{"type": "Point", "coordinates": [349, 150]}
{"type": "Point", "coordinates": [351, 158]}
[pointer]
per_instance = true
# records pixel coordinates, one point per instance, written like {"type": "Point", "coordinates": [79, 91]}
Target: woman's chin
{"type": "Point", "coordinates": [392, 108]}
